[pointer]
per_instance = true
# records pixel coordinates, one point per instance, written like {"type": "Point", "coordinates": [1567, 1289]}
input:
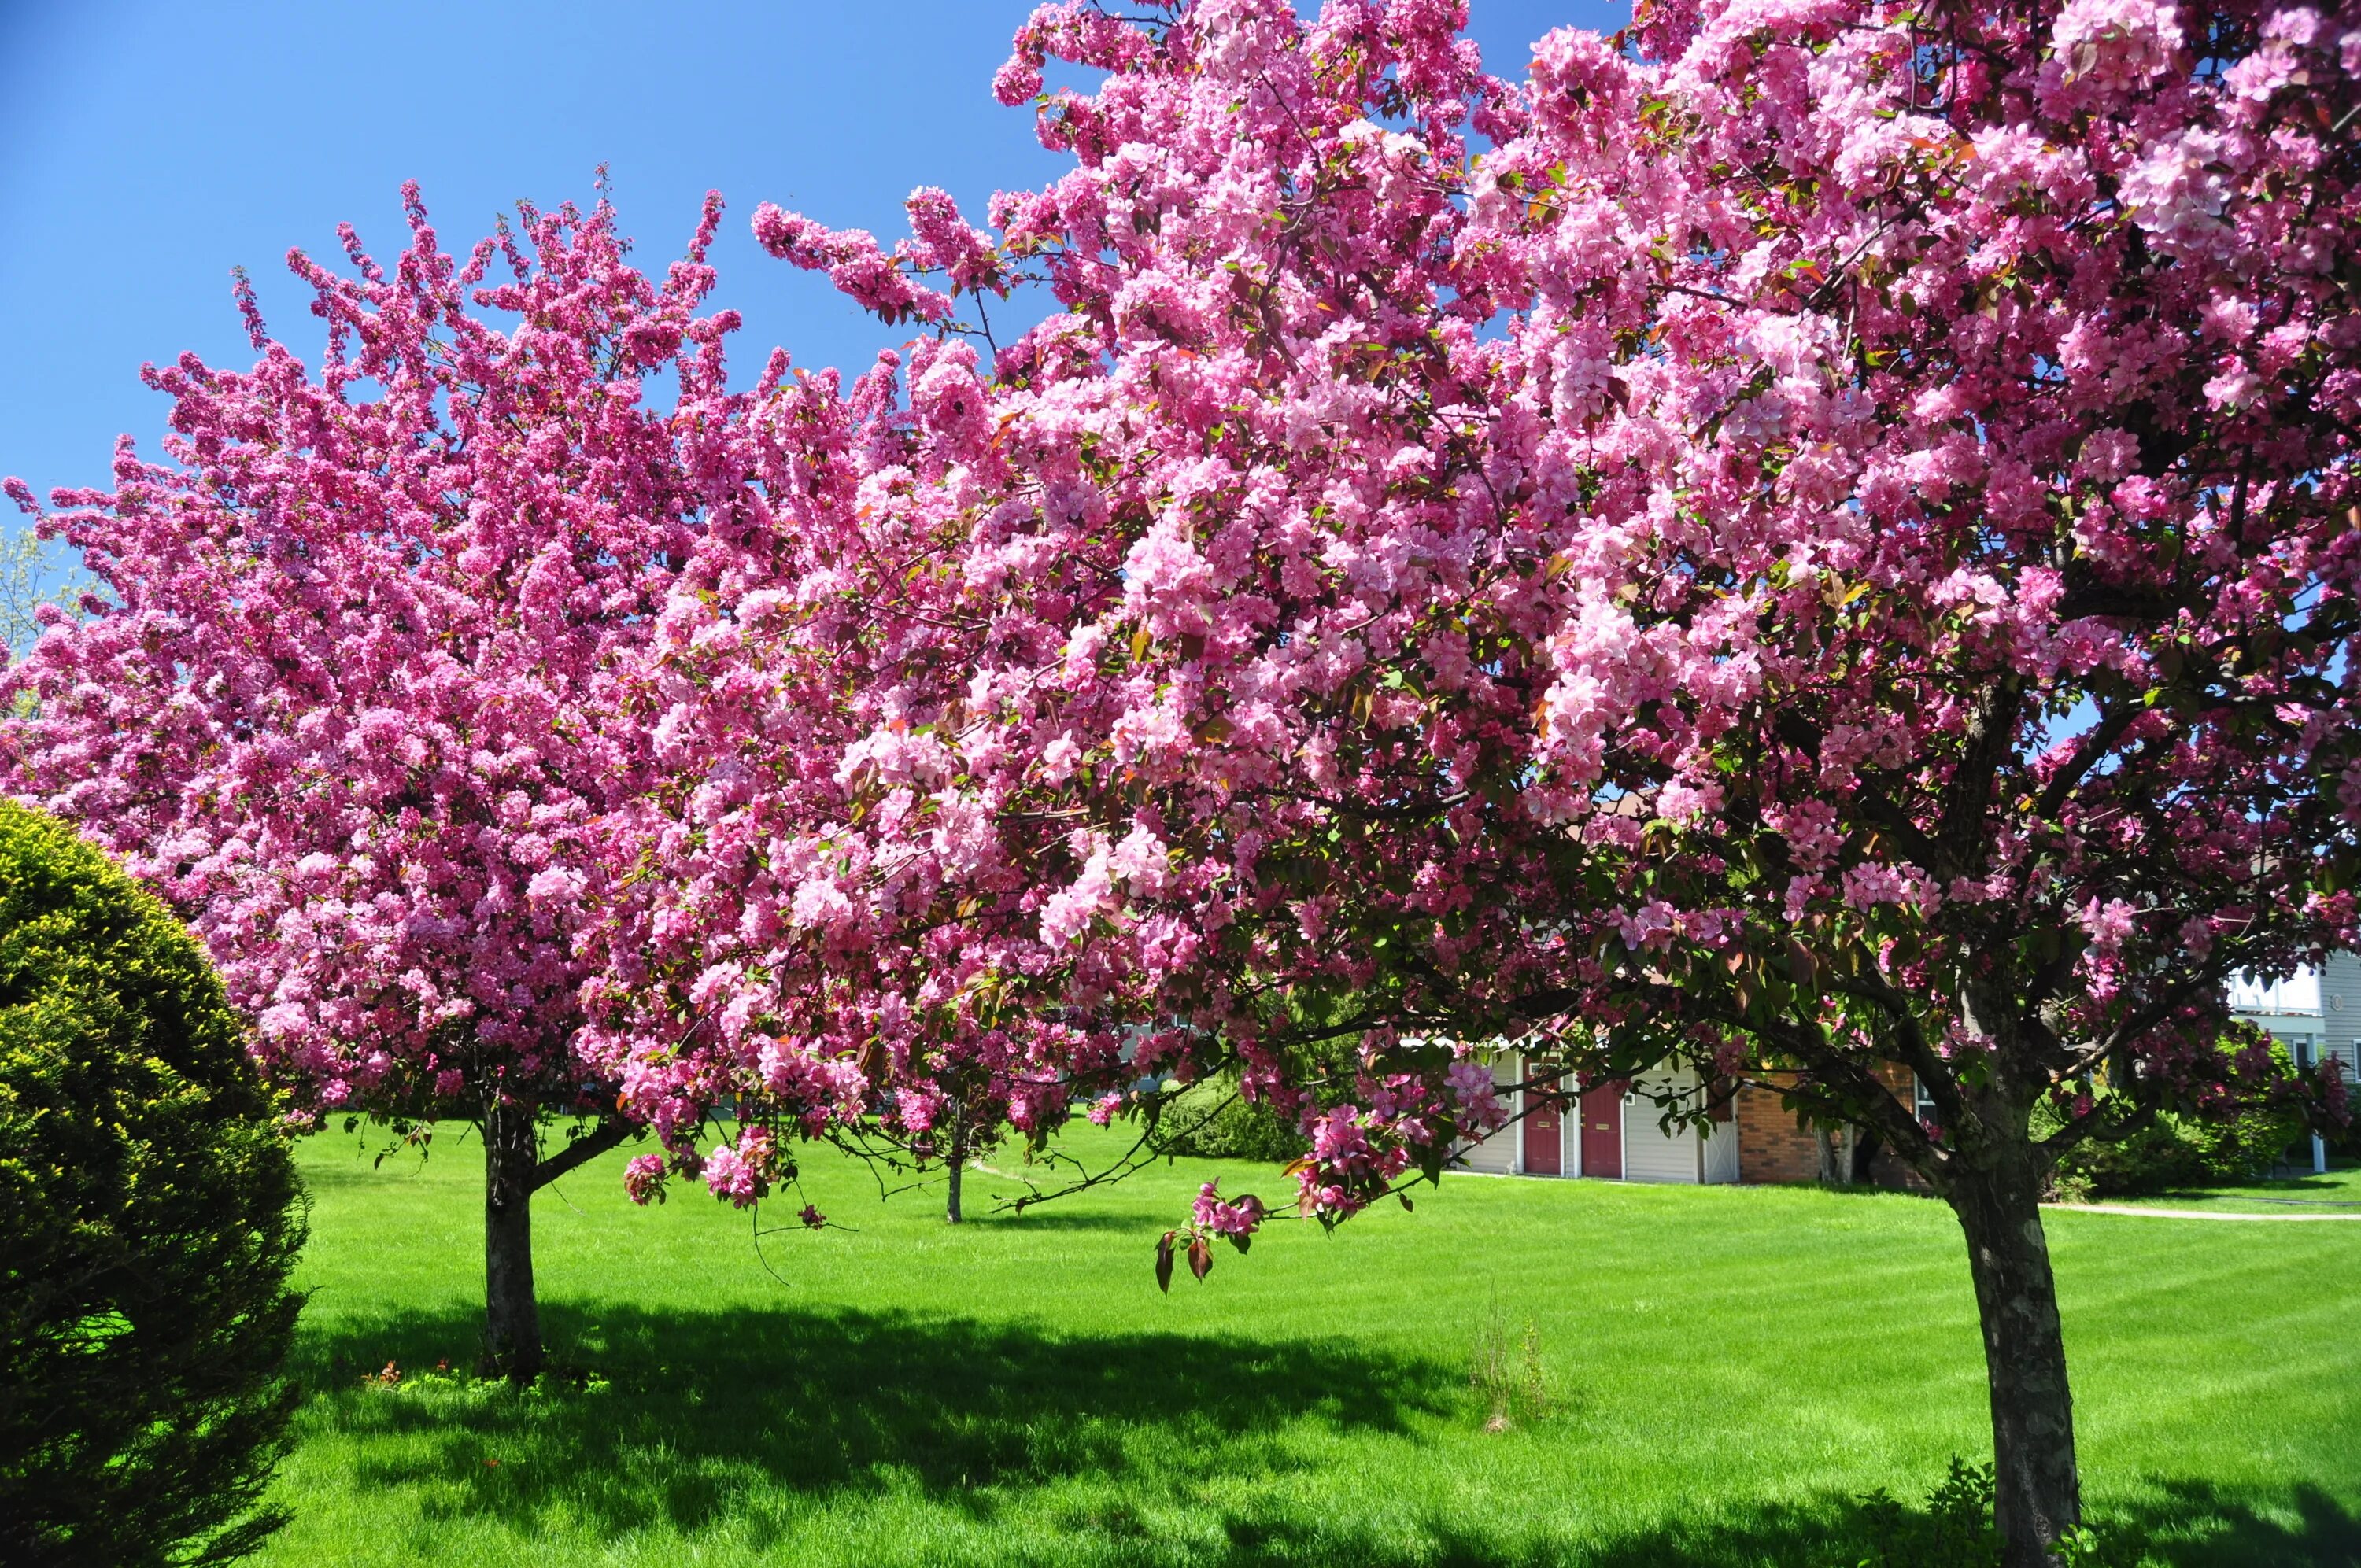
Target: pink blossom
{"type": "Point", "coordinates": [2121, 42]}
{"type": "Point", "coordinates": [729, 1176]}
{"type": "Point", "coordinates": [643, 1178]}
{"type": "Point", "coordinates": [351, 706]}
{"type": "Point", "coordinates": [1211, 1214]}
{"type": "Point", "coordinates": [2109, 924]}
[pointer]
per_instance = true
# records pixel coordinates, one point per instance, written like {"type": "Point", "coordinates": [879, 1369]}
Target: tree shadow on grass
{"type": "Point", "coordinates": [668, 1417]}
{"type": "Point", "coordinates": [1049, 1217]}
{"type": "Point", "coordinates": [2323, 1191]}
{"type": "Point", "coordinates": [2197, 1524]}
{"type": "Point", "coordinates": [2191, 1524]}
{"type": "Point", "coordinates": [696, 1421]}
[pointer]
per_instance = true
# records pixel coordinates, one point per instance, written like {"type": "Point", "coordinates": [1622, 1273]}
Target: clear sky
{"type": "Point", "coordinates": [148, 146]}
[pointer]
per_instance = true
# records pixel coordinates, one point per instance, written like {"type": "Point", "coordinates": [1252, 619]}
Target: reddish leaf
{"type": "Point", "coordinates": [1201, 1257]}
{"type": "Point", "coordinates": [1164, 1263]}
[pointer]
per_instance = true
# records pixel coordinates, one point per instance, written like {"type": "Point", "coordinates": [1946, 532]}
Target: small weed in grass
{"type": "Point", "coordinates": [1505, 1372]}
{"type": "Point", "coordinates": [1955, 1530]}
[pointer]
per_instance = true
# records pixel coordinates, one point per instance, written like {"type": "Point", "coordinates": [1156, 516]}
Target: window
{"type": "Point", "coordinates": [2302, 1049]}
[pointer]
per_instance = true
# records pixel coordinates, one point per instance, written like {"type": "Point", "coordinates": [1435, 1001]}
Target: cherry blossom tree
{"type": "Point", "coordinates": [1813, 541]}
{"type": "Point", "coordinates": [349, 701]}
{"type": "Point", "coordinates": [746, 972]}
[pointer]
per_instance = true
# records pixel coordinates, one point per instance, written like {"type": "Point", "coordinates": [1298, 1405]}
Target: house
{"type": "Point", "coordinates": [2314, 1015]}
{"type": "Point", "coordinates": [1609, 1131]}
{"type": "Point", "coordinates": [1613, 1132]}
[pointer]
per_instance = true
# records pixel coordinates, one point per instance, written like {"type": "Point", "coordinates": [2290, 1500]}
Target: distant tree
{"type": "Point", "coordinates": [27, 589]}
{"type": "Point", "coordinates": [350, 705]}
{"type": "Point", "coordinates": [1813, 541]}
{"type": "Point", "coordinates": [150, 1216]}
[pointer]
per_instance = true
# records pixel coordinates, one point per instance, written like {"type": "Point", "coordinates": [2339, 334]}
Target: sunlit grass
{"type": "Point", "coordinates": [2334, 1193]}
{"type": "Point", "coordinates": [1721, 1372]}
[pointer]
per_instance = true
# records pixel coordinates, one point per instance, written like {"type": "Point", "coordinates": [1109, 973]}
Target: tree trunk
{"type": "Point", "coordinates": [512, 1317]}
{"type": "Point", "coordinates": [958, 1162]}
{"type": "Point", "coordinates": [1838, 1146]}
{"type": "Point", "coordinates": [2038, 1493]}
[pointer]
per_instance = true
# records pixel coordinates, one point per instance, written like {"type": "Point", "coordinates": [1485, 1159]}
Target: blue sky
{"type": "Point", "coordinates": [148, 146]}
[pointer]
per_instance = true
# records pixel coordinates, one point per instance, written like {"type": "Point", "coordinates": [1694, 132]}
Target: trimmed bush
{"type": "Point", "coordinates": [149, 1214]}
{"type": "Point", "coordinates": [1213, 1121]}
{"type": "Point", "coordinates": [2177, 1151]}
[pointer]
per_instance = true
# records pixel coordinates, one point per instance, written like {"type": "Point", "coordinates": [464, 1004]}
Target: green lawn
{"type": "Point", "coordinates": [1726, 1369]}
{"type": "Point", "coordinates": [2336, 1192]}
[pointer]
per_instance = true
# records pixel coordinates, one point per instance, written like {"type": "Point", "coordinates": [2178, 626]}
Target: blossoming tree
{"type": "Point", "coordinates": [1814, 542]}
{"type": "Point", "coordinates": [348, 703]}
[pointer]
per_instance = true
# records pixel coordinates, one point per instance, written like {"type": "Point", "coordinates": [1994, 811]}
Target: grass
{"type": "Point", "coordinates": [1692, 1377]}
{"type": "Point", "coordinates": [2338, 1191]}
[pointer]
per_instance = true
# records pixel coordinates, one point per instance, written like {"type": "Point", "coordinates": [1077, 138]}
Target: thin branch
{"type": "Point", "coordinates": [609, 1134]}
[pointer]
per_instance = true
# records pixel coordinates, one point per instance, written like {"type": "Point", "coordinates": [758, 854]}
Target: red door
{"type": "Point", "coordinates": [1544, 1136]}
{"type": "Point", "coordinates": [1602, 1131]}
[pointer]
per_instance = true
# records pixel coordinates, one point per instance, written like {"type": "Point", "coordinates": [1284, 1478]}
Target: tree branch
{"type": "Point", "coordinates": [1992, 732]}
{"type": "Point", "coordinates": [2096, 742]}
{"type": "Point", "coordinates": [606, 1134]}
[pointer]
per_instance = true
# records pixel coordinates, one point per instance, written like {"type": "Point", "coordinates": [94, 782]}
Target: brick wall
{"type": "Point", "coordinates": [1775, 1145]}
{"type": "Point", "coordinates": [1771, 1145]}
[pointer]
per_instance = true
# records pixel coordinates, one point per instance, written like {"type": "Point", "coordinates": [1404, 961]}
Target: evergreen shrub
{"type": "Point", "coordinates": [149, 1215]}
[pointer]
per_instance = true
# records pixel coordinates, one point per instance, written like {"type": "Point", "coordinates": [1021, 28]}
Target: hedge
{"type": "Point", "coordinates": [150, 1215]}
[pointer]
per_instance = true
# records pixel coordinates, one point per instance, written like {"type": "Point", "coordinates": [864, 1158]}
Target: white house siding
{"type": "Point", "coordinates": [1496, 1156]}
{"type": "Point", "coordinates": [2298, 1032]}
{"type": "Point", "coordinates": [1720, 1151]}
{"type": "Point", "coordinates": [2316, 1015]}
{"type": "Point", "coordinates": [2340, 1007]}
{"type": "Point", "coordinates": [1651, 1154]}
